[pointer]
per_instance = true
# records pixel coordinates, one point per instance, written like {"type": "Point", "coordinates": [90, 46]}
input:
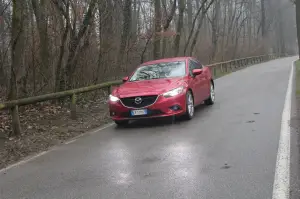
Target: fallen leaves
{"type": "Point", "coordinates": [44, 125]}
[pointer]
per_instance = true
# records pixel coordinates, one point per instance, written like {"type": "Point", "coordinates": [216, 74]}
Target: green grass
{"type": "Point", "coordinates": [298, 78]}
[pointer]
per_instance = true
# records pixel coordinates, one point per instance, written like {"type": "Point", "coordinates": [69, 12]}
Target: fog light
{"type": "Point", "coordinates": [175, 108]}
{"type": "Point", "coordinates": [112, 113]}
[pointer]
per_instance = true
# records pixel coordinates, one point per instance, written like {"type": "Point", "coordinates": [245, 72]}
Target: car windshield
{"type": "Point", "coordinates": [159, 71]}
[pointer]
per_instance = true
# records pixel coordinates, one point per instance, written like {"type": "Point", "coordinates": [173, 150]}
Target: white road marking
{"type": "Point", "coordinates": [23, 161]}
{"type": "Point", "coordinates": [30, 158]}
{"type": "Point", "coordinates": [89, 133]}
{"type": "Point", "coordinates": [281, 186]}
{"type": "Point", "coordinates": [70, 141]}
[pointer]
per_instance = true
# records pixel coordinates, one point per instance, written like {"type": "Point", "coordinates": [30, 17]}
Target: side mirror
{"type": "Point", "coordinates": [197, 72]}
{"type": "Point", "coordinates": [125, 79]}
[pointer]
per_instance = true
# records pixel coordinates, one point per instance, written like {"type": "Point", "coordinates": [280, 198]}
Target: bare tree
{"type": "Point", "coordinates": [40, 11]}
{"type": "Point", "coordinates": [298, 22]}
{"type": "Point", "coordinates": [157, 30]}
{"type": "Point", "coordinates": [126, 31]}
{"type": "Point", "coordinates": [181, 9]}
{"type": "Point", "coordinates": [17, 49]}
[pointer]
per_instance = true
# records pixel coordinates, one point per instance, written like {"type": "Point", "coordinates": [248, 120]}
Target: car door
{"type": "Point", "coordinates": [195, 82]}
{"type": "Point", "coordinates": [204, 82]}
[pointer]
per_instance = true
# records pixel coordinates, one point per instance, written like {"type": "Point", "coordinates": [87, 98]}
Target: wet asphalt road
{"type": "Point", "coordinates": [227, 151]}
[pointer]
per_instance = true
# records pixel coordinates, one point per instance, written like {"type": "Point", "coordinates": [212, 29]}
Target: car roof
{"type": "Point", "coordinates": [173, 59]}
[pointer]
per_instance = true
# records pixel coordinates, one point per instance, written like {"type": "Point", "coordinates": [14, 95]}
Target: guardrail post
{"type": "Point", "coordinates": [221, 68]}
{"type": "Point", "coordinates": [109, 90]}
{"type": "Point", "coordinates": [215, 71]}
{"type": "Point", "coordinates": [15, 120]}
{"type": "Point", "coordinates": [73, 107]}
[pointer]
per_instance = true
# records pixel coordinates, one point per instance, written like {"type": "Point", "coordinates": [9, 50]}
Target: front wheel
{"type": "Point", "coordinates": [190, 108]}
{"type": "Point", "coordinates": [211, 99]}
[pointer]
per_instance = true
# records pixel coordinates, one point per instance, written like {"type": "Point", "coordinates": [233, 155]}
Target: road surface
{"type": "Point", "coordinates": [228, 151]}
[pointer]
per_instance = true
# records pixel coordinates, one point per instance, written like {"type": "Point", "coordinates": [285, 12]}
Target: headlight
{"type": "Point", "coordinates": [113, 98]}
{"type": "Point", "coordinates": [174, 92]}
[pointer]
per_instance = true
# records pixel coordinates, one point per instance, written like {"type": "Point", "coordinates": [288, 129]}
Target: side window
{"type": "Point", "coordinates": [198, 65]}
{"type": "Point", "coordinates": [192, 66]}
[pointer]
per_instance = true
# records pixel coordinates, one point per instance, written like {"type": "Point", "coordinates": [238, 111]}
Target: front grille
{"type": "Point", "coordinates": [149, 113]}
{"type": "Point", "coordinates": [146, 101]}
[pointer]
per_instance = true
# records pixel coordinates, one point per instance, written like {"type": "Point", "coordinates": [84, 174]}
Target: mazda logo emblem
{"type": "Point", "coordinates": [138, 100]}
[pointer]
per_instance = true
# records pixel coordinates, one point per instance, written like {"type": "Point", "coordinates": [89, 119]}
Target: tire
{"type": "Point", "coordinates": [211, 98]}
{"type": "Point", "coordinates": [190, 107]}
{"type": "Point", "coordinates": [121, 122]}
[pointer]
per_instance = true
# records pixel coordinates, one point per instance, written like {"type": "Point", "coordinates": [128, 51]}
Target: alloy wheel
{"type": "Point", "coordinates": [212, 93]}
{"type": "Point", "coordinates": [190, 104]}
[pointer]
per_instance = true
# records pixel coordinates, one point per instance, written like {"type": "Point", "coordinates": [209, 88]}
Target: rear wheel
{"type": "Point", "coordinates": [121, 122]}
{"type": "Point", "coordinates": [211, 98]}
{"type": "Point", "coordinates": [190, 107]}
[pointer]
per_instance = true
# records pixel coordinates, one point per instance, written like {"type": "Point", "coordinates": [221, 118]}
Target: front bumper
{"type": "Point", "coordinates": [163, 107]}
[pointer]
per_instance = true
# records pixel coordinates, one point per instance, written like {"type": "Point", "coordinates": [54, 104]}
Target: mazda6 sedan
{"type": "Point", "coordinates": [162, 88]}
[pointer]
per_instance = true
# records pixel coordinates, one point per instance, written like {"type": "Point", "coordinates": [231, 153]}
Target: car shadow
{"type": "Point", "coordinates": [161, 122]}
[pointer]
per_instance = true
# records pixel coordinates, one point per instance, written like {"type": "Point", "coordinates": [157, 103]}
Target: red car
{"type": "Point", "coordinates": [162, 88]}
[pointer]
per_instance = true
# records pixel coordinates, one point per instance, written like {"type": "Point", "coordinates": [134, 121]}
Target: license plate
{"type": "Point", "coordinates": [139, 112]}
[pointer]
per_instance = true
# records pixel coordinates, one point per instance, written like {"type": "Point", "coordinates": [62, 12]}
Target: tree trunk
{"type": "Point", "coordinates": [179, 27]}
{"type": "Point", "coordinates": [157, 29]}
{"type": "Point", "coordinates": [166, 25]}
{"type": "Point", "coordinates": [194, 41]}
{"type": "Point", "coordinates": [191, 31]}
{"type": "Point", "coordinates": [204, 10]}
{"type": "Point", "coordinates": [40, 11]}
{"type": "Point", "coordinates": [125, 32]}
{"type": "Point", "coordinates": [75, 41]}
{"type": "Point", "coordinates": [17, 49]}
{"type": "Point", "coordinates": [189, 15]}
{"type": "Point", "coordinates": [298, 23]}
{"type": "Point", "coordinates": [2, 45]}
{"type": "Point", "coordinates": [263, 18]}
{"type": "Point", "coordinates": [59, 75]}
{"type": "Point", "coordinates": [215, 29]}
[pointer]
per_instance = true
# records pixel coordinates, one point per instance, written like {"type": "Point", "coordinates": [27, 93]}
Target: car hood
{"type": "Point", "coordinates": [148, 87]}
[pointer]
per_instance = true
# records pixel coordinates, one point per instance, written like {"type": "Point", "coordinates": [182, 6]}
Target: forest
{"type": "Point", "coordinates": [54, 45]}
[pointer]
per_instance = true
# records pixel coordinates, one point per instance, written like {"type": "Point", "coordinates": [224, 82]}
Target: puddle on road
{"type": "Point", "coordinates": [226, 166]}
{"type": "Point", "coordinates": [149, 160]}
